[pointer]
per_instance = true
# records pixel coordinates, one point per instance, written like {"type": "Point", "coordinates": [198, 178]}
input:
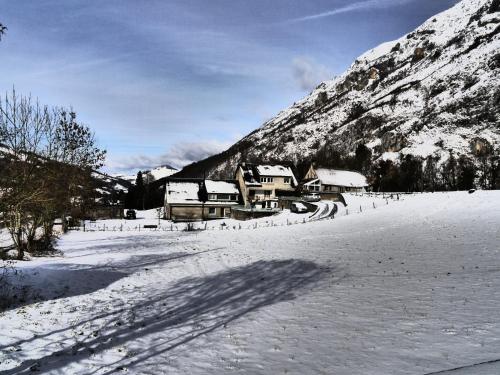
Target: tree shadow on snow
{"type": "Point", "coordinates": [117, 242]}
{"type": "Point", "coordinates": [165, 320]}
{"type": "Point", "coordinates": [52, 282]}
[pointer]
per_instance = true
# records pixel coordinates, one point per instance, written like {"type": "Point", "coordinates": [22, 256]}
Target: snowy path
{"type": "Point", "coordinates": [408, 288]}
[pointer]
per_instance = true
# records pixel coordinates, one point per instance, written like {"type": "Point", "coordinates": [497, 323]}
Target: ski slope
{"type": "Point", "coordinates": [411, 287]}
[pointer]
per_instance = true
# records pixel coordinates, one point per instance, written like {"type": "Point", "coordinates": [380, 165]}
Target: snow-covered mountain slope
{"type": "Point", "coordinates": [157, 173]}
{"type": "Point", "coordinates": [110, 184]}
{"type": "Point", "coordinates": [162, 171]}
{"type": "Point", "coordinates": [434, 90]}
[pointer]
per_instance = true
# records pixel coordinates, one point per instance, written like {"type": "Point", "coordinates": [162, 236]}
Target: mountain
{"type": "Point", "coordinates": [110, 187]}
{"type": "Point", "coordinates": [433, 92]}
{"type": "Point", "coordinates": [161, 171]}
{"type": "Point", "coordinates": [157, 173]}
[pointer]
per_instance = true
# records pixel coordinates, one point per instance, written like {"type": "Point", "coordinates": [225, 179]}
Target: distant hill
{"type": "Point", "coordinates": [162, 171]}
{"type": "Point", "coordinates": [157, 173]}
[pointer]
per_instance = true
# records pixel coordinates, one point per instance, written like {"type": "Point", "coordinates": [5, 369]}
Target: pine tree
{"type": "Point", "coordinates": [430, 174]}
{"type": "Point", "coordinates": [411, 173]}
{"type": "Point", "coordinates": [466, 174]}
{"type": "Point", "coordinates": [362, 159]}
{"type": "Point", "coordinates": [449, 173]}
{"type": "Point", "coordinates": [139, 191]}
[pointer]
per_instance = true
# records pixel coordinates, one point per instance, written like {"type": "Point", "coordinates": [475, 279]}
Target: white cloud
{"type": "Point", "coordinates": [178, 156]}
{"type": "Point", "coordinates": [308, 74]}
{"type": "Point", "coordinates": [361, 5]}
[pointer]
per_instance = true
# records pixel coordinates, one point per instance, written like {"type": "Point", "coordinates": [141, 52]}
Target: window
{"type": "Point", "coordinates": [266, 179]}
{"type": "Point", "coordinates": [211, 211]}
{"type": "Point", "coordinates": [286, 180]}
{"type": "Point", "coordinates": [227, 212]}
{"type": "Point", "coordinates": [222, 197]}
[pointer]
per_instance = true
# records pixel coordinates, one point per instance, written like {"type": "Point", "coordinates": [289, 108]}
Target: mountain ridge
{"type": "Point", "coordinates": [432, 92]}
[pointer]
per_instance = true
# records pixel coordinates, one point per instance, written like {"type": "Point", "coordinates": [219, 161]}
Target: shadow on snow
{"type": "Point", "coordinates": [52, 282]}
{"type": "Point", "coordinates": [161, 321]}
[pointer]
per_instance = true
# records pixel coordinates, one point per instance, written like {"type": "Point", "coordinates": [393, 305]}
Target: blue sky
{"type": "Point", "coordinates": [163, 81]}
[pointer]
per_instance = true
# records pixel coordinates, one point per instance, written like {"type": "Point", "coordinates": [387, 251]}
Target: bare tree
{"type": "Point", "coordinates": [22, 124]}
{"type": "Point", "coordinates": [48, 158]}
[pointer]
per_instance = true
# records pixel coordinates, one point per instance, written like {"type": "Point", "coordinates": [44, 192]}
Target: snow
{"type": "Point", "coordinates": [275, 171]}
{"type": "Point", "coordinates": [341, 178]}
{"type": "Point", "coordinates": [163, 171]}
{"type": "Point", "coordinates": [410, 287]}
{"type": "Point", "coordinates": [392, 156]}
{"type": "Point", "coordinates": [129, 178]}
{"type": "Point", "coordinates": [299, 206]}
{"type": "Point", "coordinates": [249, 177]}
{"type": "Point", "coordinates": [157, 173]}
{"type": "Point", "coordinates": [222, 187]}
{"type": "Point", "coordinates": [182, 192]}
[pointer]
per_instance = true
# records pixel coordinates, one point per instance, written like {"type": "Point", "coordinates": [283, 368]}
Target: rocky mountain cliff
{"type": "Point", "coordinates": [435, 90]}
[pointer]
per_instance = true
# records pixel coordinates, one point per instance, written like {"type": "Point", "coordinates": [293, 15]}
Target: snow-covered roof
{"type": "Point", "coordinates": [251, 173]}
{"type": "Point", "coordinates": [338, 177]}
{"type": "Point", "coordinates": [276, 171]}
{"type": "Point", "coordinates": [182, 192]}
{"type": "Point", "coordinates": [248, 176]}
{"type": "Point", "coordinates": [222, 187]}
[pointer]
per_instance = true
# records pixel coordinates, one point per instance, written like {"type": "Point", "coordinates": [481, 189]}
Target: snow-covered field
{"type": "Point", "coordinates": [410, 287]}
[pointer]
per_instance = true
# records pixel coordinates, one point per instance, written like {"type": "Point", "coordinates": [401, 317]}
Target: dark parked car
{"type": "Point", "coordinates": [130, 215]}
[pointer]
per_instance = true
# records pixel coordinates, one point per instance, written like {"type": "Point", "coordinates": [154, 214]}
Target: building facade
{"type": "Point", "coordinates": [330, 181]}
{"type": "Point", "coordinates": [197, 200]}
{"type": "Point", "coordinates": [259, 184]}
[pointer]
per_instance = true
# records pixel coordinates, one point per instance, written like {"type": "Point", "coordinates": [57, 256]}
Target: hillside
{"type": "Point", "coordinates": [157, 173]}
{"type": "Point", "coordinates": [107, 188]}
{"type": "Point", "coordinates": [434, 90]}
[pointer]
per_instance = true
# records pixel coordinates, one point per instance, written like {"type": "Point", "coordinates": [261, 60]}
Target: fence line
{"type": "Point", "coordinates": [204, 226]}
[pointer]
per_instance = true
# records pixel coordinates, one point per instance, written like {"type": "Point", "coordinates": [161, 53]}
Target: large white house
{"type": "Point", "coordinates": [197, 199]}
{"type": "Point", "coordinates": [323, 180]}
{"type": "Point", "coordinates": [259, 184]}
